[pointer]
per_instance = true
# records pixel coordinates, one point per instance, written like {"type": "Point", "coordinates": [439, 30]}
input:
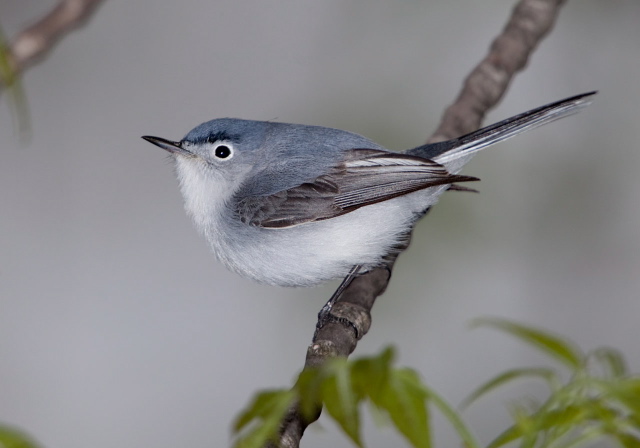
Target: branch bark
{"type": "Point", "coordinates": [34, 42]}
{"type": "Point", "coordinates": [530, 22]}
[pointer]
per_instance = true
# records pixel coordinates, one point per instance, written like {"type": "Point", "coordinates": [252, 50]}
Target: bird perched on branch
{"type": "Point", "coordinates": [295, 205]}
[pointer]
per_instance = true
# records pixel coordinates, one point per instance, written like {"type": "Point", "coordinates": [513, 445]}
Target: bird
{"type": "Point", "coordinates": [299, 205]}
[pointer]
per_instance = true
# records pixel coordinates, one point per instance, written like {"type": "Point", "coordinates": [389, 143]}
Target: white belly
{"type": "Point", "coordinates": [316, 252]}
{"type": "Point", "coordinates": [304, 255]}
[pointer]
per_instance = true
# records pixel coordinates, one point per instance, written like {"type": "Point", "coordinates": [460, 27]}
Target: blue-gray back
{"type": "Point", "coordinates": [293, 154]}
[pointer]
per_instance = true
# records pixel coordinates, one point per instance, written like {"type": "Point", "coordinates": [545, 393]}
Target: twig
{"type": "Point", "coordinates": [509, 53]}
{"type": "Point", "coordinates": [34, 42]}
{"type": "Point", "coordinates": [530, 22]}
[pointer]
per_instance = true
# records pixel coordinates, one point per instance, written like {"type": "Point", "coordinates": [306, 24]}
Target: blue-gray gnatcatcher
{"type": "Point", "coordinates": [295, 205]}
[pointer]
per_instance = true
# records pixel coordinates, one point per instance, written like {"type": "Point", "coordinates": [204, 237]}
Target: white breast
{"type": "Point", "coordinates": [302, 255]}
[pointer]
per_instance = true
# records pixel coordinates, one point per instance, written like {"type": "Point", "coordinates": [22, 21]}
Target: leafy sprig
{"type": "Point", "coordinates": [600, 400]}
{"type": "Point", "coordinates": [341, 386]}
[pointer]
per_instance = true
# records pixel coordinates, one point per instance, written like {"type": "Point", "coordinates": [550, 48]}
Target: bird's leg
{"type": "Point", "coordinates": [325, 316]}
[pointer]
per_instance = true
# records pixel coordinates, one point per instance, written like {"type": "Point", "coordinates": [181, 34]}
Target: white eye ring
{"type": "Point", "coordinates": [222, 150]}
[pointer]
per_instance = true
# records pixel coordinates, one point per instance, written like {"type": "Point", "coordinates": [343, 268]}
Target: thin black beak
{"type": "Point", "coordinates": [168, 145]}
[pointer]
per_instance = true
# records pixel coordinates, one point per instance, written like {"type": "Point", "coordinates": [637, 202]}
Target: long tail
{"type": "Point", "coordinates": [445, 152]}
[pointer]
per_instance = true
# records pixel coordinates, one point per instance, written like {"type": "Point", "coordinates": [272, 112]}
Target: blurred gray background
{"type": "Point", "coordinates": [119, 328]}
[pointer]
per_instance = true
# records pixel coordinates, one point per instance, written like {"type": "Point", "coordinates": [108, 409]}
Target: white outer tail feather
{"type": "Point", "coordinates": [474, 142]}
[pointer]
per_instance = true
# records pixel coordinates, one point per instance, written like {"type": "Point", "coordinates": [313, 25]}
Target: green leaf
{"type": "Point", "coordinates": [627, 440]}
{"type": "Point", "coordinates": [527, 426]}
{"type": "Point", "coordinates": [380, 417]}
{"type": "Point", "coordinates": [634, 421]}
{"type": "Point", "coordinates": [369, 375]}
{"type": "Point", "coordinates": [563, 419]}
{"type": "Point", "coordinates": [13, 438]}
{"type": "Point", "coordinates": [265, 412]}
{"type": "Point", "coordinates": [11, 81]}
{"type": "Point", "coordinates": [341, 401]}
{"type": "Point", "coordinates": [530, 426]}
{"type": "Point", "coordinates": [612, 360]}
{"type": "Point", "coordinates": [454, 418]}
{"type": "Point", "coordinates": [625, 391]}
{"type": "Point", "coordinates": [554, 346]}
{"type": "Point", "coordinates": [583, 439]}
{"type": "Point", "coordinates": [404, 398]}
{"type": "Point", "coordinates": [512, 433]}
{"type": "Point", "coordinates": [510, 375]}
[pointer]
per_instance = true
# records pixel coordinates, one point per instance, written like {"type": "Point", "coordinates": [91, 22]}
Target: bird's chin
{"type": "Point", "coordinates": [188, 166]}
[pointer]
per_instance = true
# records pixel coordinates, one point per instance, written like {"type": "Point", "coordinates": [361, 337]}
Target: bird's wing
{"type": "Point", "coordinates": [363, 177]}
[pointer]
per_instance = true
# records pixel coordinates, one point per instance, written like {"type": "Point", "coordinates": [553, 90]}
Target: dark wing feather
{"type": "Point", "coordinates": [363, 177]}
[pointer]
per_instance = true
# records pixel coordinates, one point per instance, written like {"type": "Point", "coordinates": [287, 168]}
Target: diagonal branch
{"type": "Point", "coordinates": [530, 22]}
{"type": "Point", "coordinates": [509, 53]}
{"type": "Point", "coordinates": [34, 42]}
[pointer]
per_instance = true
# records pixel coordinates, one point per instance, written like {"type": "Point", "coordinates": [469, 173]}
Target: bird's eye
{"type": "Point", "coordinates": [223, 151]}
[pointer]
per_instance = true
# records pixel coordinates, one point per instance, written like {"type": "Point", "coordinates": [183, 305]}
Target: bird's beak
{"type": "Point", "coordinates": [168, 145]}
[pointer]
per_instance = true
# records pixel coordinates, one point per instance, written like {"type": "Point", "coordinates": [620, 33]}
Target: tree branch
{"type": "Point", "coordinates": [530, 22]}
{"type": "Point", "coordinates": [34, 42]}
{"type": "Point", "coordinates": [509, 53]}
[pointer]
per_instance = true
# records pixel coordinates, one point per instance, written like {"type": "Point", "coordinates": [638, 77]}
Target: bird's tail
{"type": "Point", "coordinates": [446, 152]}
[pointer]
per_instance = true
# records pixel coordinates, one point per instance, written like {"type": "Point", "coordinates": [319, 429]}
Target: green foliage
{"type": "Point", "coordinates": [13, 438]}
{"type": "Point", "coordinates": [10, 80]}
{"type": "Point", "coordinates": [552, 345]}
{"type": "Point", "coordinates": [599, 401]}
{"type": "Point", "coordinates": [341, 386]}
